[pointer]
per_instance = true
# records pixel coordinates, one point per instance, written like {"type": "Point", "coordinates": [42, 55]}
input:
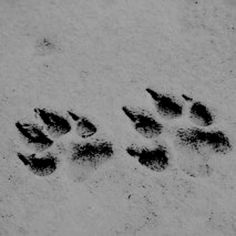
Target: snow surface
{"type": "Point", "coordinates": [94, 57]}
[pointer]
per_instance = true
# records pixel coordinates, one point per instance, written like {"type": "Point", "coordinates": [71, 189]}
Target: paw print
{"type": "Point", "coordinates": [202, 135]}
{"type": "Point", "coordinates": [183, 128]}
{"type": "Point", "coordinates": [54, 136]}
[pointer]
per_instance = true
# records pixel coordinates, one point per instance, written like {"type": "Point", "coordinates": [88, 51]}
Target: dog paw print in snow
{"type": "Point", "coordinates": [85, 151]}
{"type": "Point", "coordinates": [193, 145]}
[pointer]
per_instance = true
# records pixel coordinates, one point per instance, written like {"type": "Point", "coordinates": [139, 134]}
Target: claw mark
{"type": "Point", "coordinates": [40, 166]}
{"type": "Point", "coordinates": [93, 153]}
{"type": "Point", "coordinates": [197, 138]}
{"type": "Point", "coordinates": [187, 98]}
{"type": "Point", "coordinates": [55, 124]}
{"type": "Point", "coordinates": [33, 134]}
{"type": "Point", "coordinates": [156, 159]}
{"type": "Point", "coordinates": [73, 116]}
{"type": "Point", "coordinates": [144, 124]}
{"type": "Point", "coordinates": [84, 128]}
{"type": "Point", "coordinates": [165, 104]}
{"type": "Point", "coordinates": [201, 114]}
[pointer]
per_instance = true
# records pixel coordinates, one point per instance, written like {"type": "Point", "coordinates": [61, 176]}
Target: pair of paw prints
{"type": "Point", "coordinates": [47, 137]}
{"type": "Point", "coordinates": [195, 143]}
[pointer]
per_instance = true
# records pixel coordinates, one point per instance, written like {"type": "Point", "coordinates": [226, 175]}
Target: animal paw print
{"type": "Point", "coordinates": [49, 139]}
{"type": "Point", "coordinates": [156, 158]}
{"type": "Point", "coordinates": [202, 136]}
{"type": "Point", "coordinates": [193, 144]}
